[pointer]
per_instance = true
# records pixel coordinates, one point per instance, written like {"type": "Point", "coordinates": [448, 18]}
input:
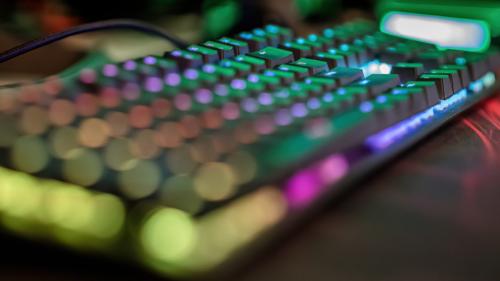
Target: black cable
{"type": "Point", "coordinates": [89, 27]}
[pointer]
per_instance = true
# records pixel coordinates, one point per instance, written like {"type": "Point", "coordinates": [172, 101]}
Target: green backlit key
{"type": "Point", "coordinates": [310, 89]}
{"type": "Point", "coordinates": [225, 51]}
{"type": "Point", "coordinates": [186, 59]}
{"type": "Point", "coordinates": [350, 58]}
{"type": "Point", "coordinates": [240, 67]}
{"type": "Point", "coordinates": [456, 85]}
{"type": "Point", "coordinates": [332, 60]}
{"type": "Point", "coordinates": [255, 42]}
{"type": "Point", "coordinates": [314, 45]}
{"type": "Point", "coordinates": [476, 63]}
{"type": "Point", "coordinates": [443, 83]}
{"type": "Point", "coordinates": [271, 82]}
{"type": "Point", "coordinates": [417, 96]}
{"type": "Point", "coordinates": [240, 47]}
{"type": "Point", "coordinates": [298, 50]}
{"type": "Point", "coordinates": [286, 77]}
{"type": "Point", "coordinates": [326, 43]}
{"type": "Point", "coordinates": [256, 64]}
{"type": "Point", "coordinates": [430, 88]}
{"type": "Point", "coordinates": [314, 66]}
{"type": "Point", "coordinates": [224, 73]}
{"type": "Point", "coordinates": [376, 84]}
{"type": "Point", "coordinates": [299, 71]}
{"type": "Point", "coordinates": [462, 72]}
{"type": "Point", "coordinates": [326, 83]}
{"type": "Point", "coordinates": [408, 71]}
{"type": "Point", "coordinates": [431, 59]}
{"type": "Point", "coordinates": [273, 56]}
{"type": "Point", "coordinates": [284, 33]}
{"type": "Point", "coordinates": [273, 39]}
{"type": "Point", "coordinates": [343, 75]}
{"type": "Point", "coordinates": [209, 55]}
{"type": "Point", "coordinates": [397, 53]}
{"type": "Point", "coordinates": [358, 94]}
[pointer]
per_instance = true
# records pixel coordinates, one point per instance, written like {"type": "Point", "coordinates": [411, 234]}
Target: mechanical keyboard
{"type": "Point", "coordinates": [192, 162]}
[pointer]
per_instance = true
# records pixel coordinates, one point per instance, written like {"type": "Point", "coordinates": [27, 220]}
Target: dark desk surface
{"type": "Point", "coordinates": [434, 214]}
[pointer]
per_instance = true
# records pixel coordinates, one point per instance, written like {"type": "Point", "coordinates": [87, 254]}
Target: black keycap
{"type": "Point", "coordinates": [343, 75]}
{"type": "Point", "coordinates": [463, 72]}
{"type": "Point", "coordinates": [273, 56]}
{"type": "Point", "coordinates": [395, 54]}
{"type": "Point", "coordinates": [417, 96]}
{"type": "Point", "coordinates": [476, 63]}
{"type": "Point", "coordinates": [493, 59]}
{"type": "Point", "coordinates": [408, 71]}
{"type": "Point", "coordinates": [443, 84]}
{"type": "Point", "coordinates": [431, 59]}
{"type": "Point", "coordinates": [376, 84]}
{"type": "Point", "coordinates": [430, 88]}
{"type": "Point", "coordinates": [454, 78]}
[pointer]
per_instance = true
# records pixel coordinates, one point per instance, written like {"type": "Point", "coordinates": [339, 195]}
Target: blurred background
{"type": "Point", "coordinates": [191, 20]}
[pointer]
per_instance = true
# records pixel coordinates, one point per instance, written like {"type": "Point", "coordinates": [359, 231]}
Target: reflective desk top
{"type": "Point", "coordinates": [432, 214]}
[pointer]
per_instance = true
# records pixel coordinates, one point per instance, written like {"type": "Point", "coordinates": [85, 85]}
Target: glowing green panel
{"type": "Point", "coordinates": [445, 32]}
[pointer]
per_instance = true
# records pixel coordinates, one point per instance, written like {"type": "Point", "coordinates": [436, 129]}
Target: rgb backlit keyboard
{"type": "Point", "coordinates": [188, 163]}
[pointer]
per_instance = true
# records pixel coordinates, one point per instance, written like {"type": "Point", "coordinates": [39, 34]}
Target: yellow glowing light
{"type": "Point", "coordinates": [85, 168]}
{"type": "Point", "coordinates": [71, 213]}
{"type": "Point", "coordinates": [168, 235]}
{"type": "Point", "coordinates": [69, 207]}
{"type": "Point", "coordinates": [19, 194]}
{"type": "Point", "coordinates": [108, 216]}
{"type": "Point", "coordinates": [226, 230]}
{"type": "Point", "coordinates": [140, 181]}
{"type": "Point", "coordinates": [214, 181]}
{"type": "Point", "coordinates": [30, 154]}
